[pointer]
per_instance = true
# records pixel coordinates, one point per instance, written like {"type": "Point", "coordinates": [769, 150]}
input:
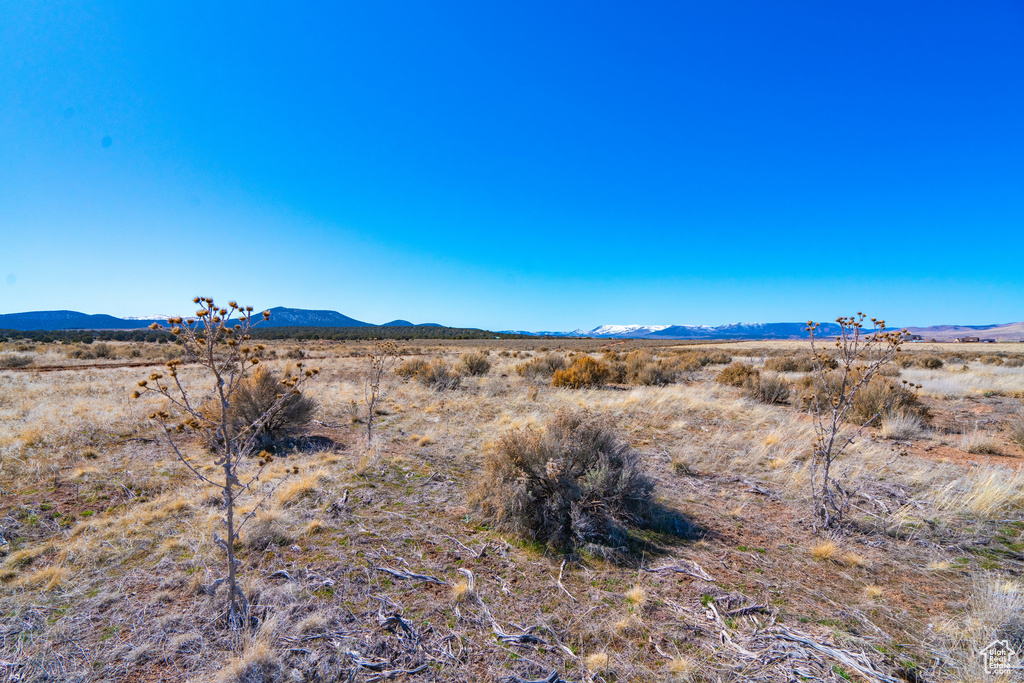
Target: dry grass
{"type": "Point", "coordinates": [873, 592]}
{"type": "Point", "coordinates": [985, 493]}
{"type": "Point", "coordinates": [976, 441]}
{"type": "Point", "coordinates": [852, 559]}
{"type": "Point", "coordinates": [46, 579]}
{"type": "Point", "coordinates": [897, 425]}
{"type": "Point", "coordinates": [597, 662]}
{"type": "Point", "coordinates": [462, 592]}
{"type": "Point", "coordinates": [980, 379]}
{"type": "Point", "coordinates": [304, 487]}
{"type": "Point", "coordinates": [131, 547]}
{"type": "Point", "coordinates": [680, 668]}
{"type": "Point", "coordinates": [824, 550]}
{"type": "Point", "coordinates": [637, 597]}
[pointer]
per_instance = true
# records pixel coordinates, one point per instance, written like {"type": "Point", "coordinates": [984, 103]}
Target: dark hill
{"type": "Point", "coordinates": [67, 320]}
{"type": "Point", "coordinates": [301, 317]}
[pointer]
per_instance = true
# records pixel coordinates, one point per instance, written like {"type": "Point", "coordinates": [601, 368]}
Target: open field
{"type": "Point", "coordinates": [371, 562]}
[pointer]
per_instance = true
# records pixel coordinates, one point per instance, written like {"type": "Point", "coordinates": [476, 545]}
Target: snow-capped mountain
{"type": "Point", "coordinates": [625, 330]}
{"type": "Point", "coordinates": [730, 331]}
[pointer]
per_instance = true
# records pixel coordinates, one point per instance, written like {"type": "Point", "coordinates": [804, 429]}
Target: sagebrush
{"type": "Point", "coordinates": [576, 482]}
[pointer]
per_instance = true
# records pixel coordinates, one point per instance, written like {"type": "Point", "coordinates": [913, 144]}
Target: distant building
{"type": "Point", "coordinates": [988, 341]}
{"type": "Point", "coordinates": [915, 337]}
{"type": "Point", "coordinates": [966, 340]}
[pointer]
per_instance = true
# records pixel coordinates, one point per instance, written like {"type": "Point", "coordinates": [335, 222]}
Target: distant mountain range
{"type": "Point", "coordinates": [300, 317]}
{"type": "Point", "coordinates": [1004, 332]}
{"type": "Point", "coordinates": [279, 317]}
{"type": "Point", "coordinates": [731, 331]}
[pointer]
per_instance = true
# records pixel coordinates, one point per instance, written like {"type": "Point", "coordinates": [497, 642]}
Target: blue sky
{"type": "Point", "coordinates": [516, 165]}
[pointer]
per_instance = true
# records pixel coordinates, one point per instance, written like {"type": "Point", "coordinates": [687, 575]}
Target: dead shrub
{"type": "Point", "coordinates": [692, 361]}
{"type": "Point", "coordinates": [992, 360]}
{"type": "Point", "coordinates": [584, 372]}
{"type": "Point", "coordinates": [439, 376]}
{"type": "Point", "coordinates": [616, 372]}
{"type": "Point", "coordinates": [930, 362]}
{"type": "Point", "coordinates": [654, 375]}
{"type": "Point", "coordinates": [14, 361]}
{"type": "Point", "coordinates": [737, 374]}
{"type": "Point", "coordinates": [255, 397]}
{"type": "Point", "coordinates": [103, 351]}
{"type": "Point", "coordinates": [266, 530]}
{"type": "Point", "coordinates": [800, 363]}
{"type": "Point", "coordinates": [544, 366]}
{"type": "Point", "coordinates": [475, 364]}
{"type": "Point", "coordinates": [574, 483]}
{"type": "Point", "coordinates": [882, 395]}
{"type": "Point", "coordinates": [1016, 428]}
{"type": "Point", "coordinates": [641, 368]}
{"type": "Point", "coordinates": [904, 360]}
{"type": "Point", "coordinates": [411, 368]}
{"type": "Point", "coordinates": [768, 387]}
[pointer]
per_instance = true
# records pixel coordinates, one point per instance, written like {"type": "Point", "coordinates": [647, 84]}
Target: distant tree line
{"type": "Point", "coordinates": [88, 336]}
{"type": "Point", "coordinates": [298, 333]}
{"type": "Point", "coordinates": [375, 332]}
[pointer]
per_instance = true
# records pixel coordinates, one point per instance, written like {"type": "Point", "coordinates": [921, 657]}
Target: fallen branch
{"type": "Point", "coordinates": [553, 677]}
{"type": "Point", "coordinates": [395, 673]}
{"type": "Point", "coordinates": [697, 572]}
{"type": "Point", "coordinates": [327, 424]}
{"type": "Point", "coordinates": [404, 575]}
{"type": "Point", "coordinates": [395, 621]}
{"type": "Point", "coordinates": [562, 569]}
{"type": "Point", "coordinates": [858, 662]}
{"type": "Point", "coordinates": [747, 610]}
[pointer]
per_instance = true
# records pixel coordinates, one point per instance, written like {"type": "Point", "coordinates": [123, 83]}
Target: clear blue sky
{"type": "Point", "coordinates": [527, 165]}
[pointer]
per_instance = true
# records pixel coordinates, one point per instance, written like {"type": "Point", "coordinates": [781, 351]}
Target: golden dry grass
{"type": "Point", "coordinates": [824, 550]}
